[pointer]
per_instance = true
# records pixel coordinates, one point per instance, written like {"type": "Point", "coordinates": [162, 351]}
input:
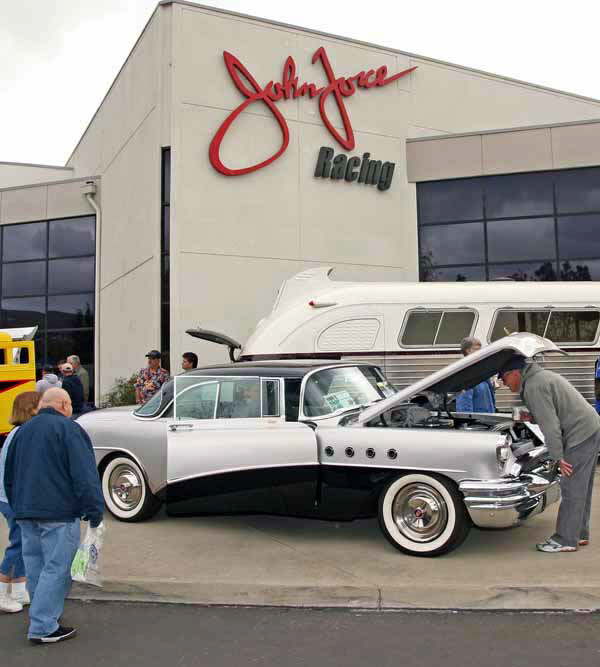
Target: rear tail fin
{"type": "Point", "coordinates": [303, 284]}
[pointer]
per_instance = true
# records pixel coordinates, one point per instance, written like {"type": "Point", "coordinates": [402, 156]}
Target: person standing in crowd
{"type": "Point", "coordinates": [151, 378]}
{"type": "Point", "coordinates": [13, 593]}
{"type": "Point", "coordinates": [60, 365]}
{"type": "Point", "coordinates": [72, 385]}
{"type": "Point", "coordinates": [49, 380]}
{"type": "Point", "coordinates": [480, 398]}
{"type": "Point", "coordinates": [51, 483]}
{"type": "Point", "coordinates": [80, 372]}
{"type": "Point", "coordinates": [571, 428]}
{"type": "Point", "coordinates": [189, 361]}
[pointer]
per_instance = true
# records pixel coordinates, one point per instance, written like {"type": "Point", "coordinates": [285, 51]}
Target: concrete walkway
{"type": "Point", "coordinates": [262, 560]}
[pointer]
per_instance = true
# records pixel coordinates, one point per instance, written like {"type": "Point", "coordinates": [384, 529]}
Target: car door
{"type": "Point", "coordinates": [230, 445]}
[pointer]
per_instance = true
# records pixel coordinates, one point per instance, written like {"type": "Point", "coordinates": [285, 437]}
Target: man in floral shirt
{"type": "Point", "coordinates": [151, 378]}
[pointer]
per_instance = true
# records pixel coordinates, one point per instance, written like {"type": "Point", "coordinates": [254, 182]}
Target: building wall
{"type": "Point", "coordinates": [123, 144]}
{"type": "Point", "coordinates": [13, 174]}
{"type": "Point", "coordinates": [234, 239]}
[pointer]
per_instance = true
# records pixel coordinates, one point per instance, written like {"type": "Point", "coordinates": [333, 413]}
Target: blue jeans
{"type": "Point", "coordinates": [48, 551]}
{"type": "Point", "coordinates": [12, 565]}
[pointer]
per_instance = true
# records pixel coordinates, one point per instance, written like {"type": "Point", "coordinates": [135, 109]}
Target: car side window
{"type": "Point", "coordinates": [238, 398]}
{"type": "Point", "coordinates": [197, 402]}
{"type": "Point", "coordinates": [270, 398]}
{"type": "Point", "coordinates": [292, 399]}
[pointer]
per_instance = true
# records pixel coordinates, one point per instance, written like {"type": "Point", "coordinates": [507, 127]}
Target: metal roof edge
{"type": "Point", "coordinates": [379, 46]}
{"type": "Point", "coordinates": [521, 128]}
{"type": "Point", "coordinates": [33, 164]}
{"type": "Point", "coordinates": [48, 183]}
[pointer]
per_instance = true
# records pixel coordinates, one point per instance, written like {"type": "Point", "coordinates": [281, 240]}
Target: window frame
{"type": "Point", "coordinates": [263, 382]}
{"type": "Point", "coordinates": [421, 309]}
{"type": "Point", "coordinates": [548, 310]}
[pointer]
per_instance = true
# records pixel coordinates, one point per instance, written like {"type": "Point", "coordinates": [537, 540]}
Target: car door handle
{"type": "Point", "coordinates": [176, 427]}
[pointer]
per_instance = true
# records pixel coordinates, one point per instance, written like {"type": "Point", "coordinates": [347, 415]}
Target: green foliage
{"type": "Point", "coordinates": [122, 393]}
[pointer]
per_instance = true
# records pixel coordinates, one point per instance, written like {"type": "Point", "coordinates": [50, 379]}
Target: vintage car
{"type": "Point", "coordinates": [330, 441]}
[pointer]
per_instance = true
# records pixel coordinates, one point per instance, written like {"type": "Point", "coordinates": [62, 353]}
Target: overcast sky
{"type": "Point", "coordinates": [58, 57]}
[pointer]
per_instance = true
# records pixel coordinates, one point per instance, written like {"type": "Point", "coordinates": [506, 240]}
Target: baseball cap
{"type": "Point", "coordinates": [154, 354]}
{"type": "Point", "coordinates": [67, 367]}
{"type": "Point", "coordinates": [515, 363]}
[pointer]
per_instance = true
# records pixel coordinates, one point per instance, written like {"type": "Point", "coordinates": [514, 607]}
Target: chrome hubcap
{"type": "Point", "coordinates": [420, 512]}
{"type": "Point", "coordinates": [125, 487]}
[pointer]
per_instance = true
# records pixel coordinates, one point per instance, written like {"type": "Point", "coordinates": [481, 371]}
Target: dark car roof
{"type": "Point", "coordinates": [291, 369]}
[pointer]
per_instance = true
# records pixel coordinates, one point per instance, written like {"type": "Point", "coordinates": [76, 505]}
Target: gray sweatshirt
{"type": "Point", "coordinates": [565, 417]}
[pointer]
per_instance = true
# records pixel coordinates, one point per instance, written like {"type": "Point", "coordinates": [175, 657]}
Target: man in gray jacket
{"type": "Point", "coordinates": [571, 428]}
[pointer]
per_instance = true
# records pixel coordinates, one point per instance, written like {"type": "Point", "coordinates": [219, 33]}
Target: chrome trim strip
{"type": "Point", "coordinates": [389, 466]}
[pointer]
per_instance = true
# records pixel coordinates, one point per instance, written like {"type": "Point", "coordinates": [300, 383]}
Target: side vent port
{"type": "Point", "coordinates": [349, 452]}
{"type": "Point", "coordinates": [329, 451]}
{"type": "Point", "coordinates": [370, 453]}
{"type": "Point", "coordinates": [392, 454]}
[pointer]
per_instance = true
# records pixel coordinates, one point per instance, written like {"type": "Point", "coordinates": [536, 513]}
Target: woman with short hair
{"type": "Point", "coordinates": [13, 593]}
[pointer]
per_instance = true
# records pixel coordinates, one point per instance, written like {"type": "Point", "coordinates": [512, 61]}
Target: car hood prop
{"type": "Point", "coordinates": [216, 337]}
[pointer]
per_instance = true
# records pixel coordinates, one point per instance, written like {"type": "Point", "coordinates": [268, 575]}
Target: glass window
{"type": "Point", "coordinates": [451, 273]}
{"type": "Point", "coordinates": [68, 275]}
{"type": "Point", "coordinates": [151, 407]}
{"type": "Point", "coordinates": [420, 328]}
{"type": "Point", "coordinates": [24, 241]}
{"type": "Point", "coordinates": [511, 321]}
{"type": "Point", "coordinates": [580, 269]}
{"type": "Point", "coordinates": [76, 236]}
{"type": "Point", "coordinates": [72, 311]}
{"type": "Point", "coordinates": [578, 190]}
{"type": "Point", "coordinates": [27, 278]}
{"type": "Point", "coordinates": [292, 399]}
{"type": "Point", "coordinates": [270, 398]}
{"type": "Point", "coordinates": [63, 344]}
{"type": "Point", "coordinates": [514, 240]}
{"type": "Point", "coordinates": [573, 327]}
{"type": "Point", "coordinates": [452, 244]}
{"type": "Point", "coordinates": [454, 327]}
{"type": "Point", "coordinates": [27, 312]}
{"type": "Point", "coordinates": [197, 402]}
{"type": "Point", "coordinates": [523, 271]}
{"type": "Point", "coordinates": [579, 236]}
{"type": "Point", "coordinates": [519, 195]}
{"type": "Point", "coordinates": [449, 201]}
{"type": "Point", "coordinates": [238, 398]}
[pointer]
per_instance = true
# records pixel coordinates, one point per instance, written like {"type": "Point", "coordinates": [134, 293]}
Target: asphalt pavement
{"type": "Point", "coordinates": [115, 634]}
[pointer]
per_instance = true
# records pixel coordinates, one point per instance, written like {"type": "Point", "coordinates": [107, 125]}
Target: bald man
{"type": "Point", "coordinates": [51, 483]}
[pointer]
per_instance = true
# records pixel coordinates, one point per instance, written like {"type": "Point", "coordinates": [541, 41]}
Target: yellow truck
{"type": "Point", "coordinates": [17, 370]}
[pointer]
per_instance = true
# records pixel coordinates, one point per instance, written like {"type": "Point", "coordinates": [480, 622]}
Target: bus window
{"type": "Point", "coordinates": [20, 355]}
{"type": "Point", "coordinates": [2, 356]}
{"type": "Point", "coordinates": [560, 326]}
{"type": "Point", "coordinates": [511, 321]}
{"type": "Point", "coordinates": [428, 329]}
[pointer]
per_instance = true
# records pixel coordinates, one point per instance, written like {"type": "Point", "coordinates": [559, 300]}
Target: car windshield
{"type": "Point", "coordinates": [333, 389]}
{"type": "Point", "coordinates": [152, 406]}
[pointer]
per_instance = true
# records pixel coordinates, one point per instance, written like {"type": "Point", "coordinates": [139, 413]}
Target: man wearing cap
{"type": "Point", "coordinates": [571, 428]}
{"type": "Point", "coordinates": [151, 378]}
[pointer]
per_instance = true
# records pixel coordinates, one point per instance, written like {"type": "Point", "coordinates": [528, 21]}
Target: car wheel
{"type": "Point", "coordinates": [125, 490]}
{"type": "Point", "coordinates": [423, 515]}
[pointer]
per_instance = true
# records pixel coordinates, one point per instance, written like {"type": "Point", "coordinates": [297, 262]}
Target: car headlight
{"type": "Point", "coordinates": [503, 451]}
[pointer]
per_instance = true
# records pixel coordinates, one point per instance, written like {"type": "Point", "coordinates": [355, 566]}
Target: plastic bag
{"type": "Point", "coordinates": [86, 565]}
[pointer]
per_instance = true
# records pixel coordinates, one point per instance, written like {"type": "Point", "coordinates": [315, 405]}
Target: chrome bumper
{"type": "Point", "coordinates": [503, 503]}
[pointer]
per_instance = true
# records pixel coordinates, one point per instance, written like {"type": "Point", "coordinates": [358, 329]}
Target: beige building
{"type": "Point", "coordinates": [182, 238]}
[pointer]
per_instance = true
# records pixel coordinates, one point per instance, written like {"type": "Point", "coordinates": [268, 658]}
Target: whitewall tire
{"type": "Point", "coordinates": [125, 490]}
{"type": "Point", "coordinates": [423, 515]}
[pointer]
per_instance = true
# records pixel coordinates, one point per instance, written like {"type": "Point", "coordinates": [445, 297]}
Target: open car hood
{"type": "Point", "coordinates": [216, 337]}
{"type": "Point", "coordinates": [468, 371]}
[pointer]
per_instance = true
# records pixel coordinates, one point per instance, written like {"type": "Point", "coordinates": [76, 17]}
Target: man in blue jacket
{"type": "Point", "coordinates": [51, 483]}
{"type": "Point", "coordinates": [482, 397]}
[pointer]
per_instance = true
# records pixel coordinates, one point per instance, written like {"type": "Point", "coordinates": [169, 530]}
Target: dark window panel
{"type": "Point", "coordinates": [573, 327]}
{"type": "Point", "coordinates": [75, 236]}
{"type": "Point", "coordinates": [71, 311]}
{"type": "Point", "coordinates": [578, 190]}
{"type": "Point", "coordinates": [452, 274]}
{"type": "Point", "coordinates": [511, 321]}
{"type": "Point", "coordinates": [68, 275]}
{"type": "Point", "coordinates": [579, 236]}
{"type": "Point", "coordinates": [448, 201]}
{"type": "Point", "coordinates": [40, 349]}
{"type": "Point", "coordinates": [166, 175]}
{"type": "Point", "coordinates": [27, 312]}
{"type": "Point", "coordinates": [28, 278]}
{"type": "Point", "coordinates": [519, 195]}
{"type": "Point", "coordinates": [580, 269]}
{"type": "Point", "coordinates": [454, 327]}
{"type": "Point", "coordinates": [452, 244]}
{"type": "Point", "coordinates": [524, 271]}
{"type": "Point", "coordinates": [421, 328]}
{"type": "Point", "coordinates": [64, 343]}
{"type": "Point", "coordinates": [514, 240]}
{"type": "Point", "coordinates": [166, 229]}
{"type": "Point", "coordinates": [24, 241]}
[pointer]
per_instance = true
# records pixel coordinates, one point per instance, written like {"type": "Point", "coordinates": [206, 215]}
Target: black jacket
{"type": "Point", "coordinates": [51, 473]}
{"type": "Point", "coordinates": [72, 385]}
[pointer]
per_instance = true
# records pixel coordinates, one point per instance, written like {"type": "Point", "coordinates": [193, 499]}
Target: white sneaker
{"type": "Point", "coordinates": [21, 597]}
{"type": "Point", "coordinates": [10, 606]}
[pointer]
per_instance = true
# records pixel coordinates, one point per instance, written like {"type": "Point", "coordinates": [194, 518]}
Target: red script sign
{"type": "Point", "coordinates": [289, 88]}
